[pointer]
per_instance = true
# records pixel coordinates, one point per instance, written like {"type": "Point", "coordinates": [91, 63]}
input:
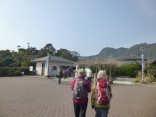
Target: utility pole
{"type": "Point", "coordinates": [142, 63]}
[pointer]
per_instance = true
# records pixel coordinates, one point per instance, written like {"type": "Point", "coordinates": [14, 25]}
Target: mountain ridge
{"type": "Point", "coordinates": [109, 52]}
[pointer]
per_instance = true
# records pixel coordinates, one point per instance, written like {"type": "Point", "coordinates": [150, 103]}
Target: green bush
{"type": "Point", "coordinates": [136, 80]}
{"type": "Point", "coordinates": [123, 70]}
{"type": "Point", "coordinates": [13, 71]}
{"type": "Point", "coordinates": [152, 79]}
{"type": "Point", "coordinates": [128, 70]}
{"type": "Point", "coordinates": [93, 68]}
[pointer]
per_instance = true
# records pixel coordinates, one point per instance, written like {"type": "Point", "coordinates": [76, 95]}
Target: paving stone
{"type": "Point", "coordinates": [43, 97]}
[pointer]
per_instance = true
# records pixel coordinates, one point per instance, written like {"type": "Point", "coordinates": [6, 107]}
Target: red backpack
{"type": "Point", "coordinates": [103, 94]}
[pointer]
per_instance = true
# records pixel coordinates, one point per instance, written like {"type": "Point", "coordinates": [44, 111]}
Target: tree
{"type": "Point", "coordinates": [7, 62]}
{"type": "Point", "coordinates": [75, 55]}
{"type": "Point", "coordinates": [5, 58]}
{"type": "Point", "coordinates": [67, 54]}
{"type": "Point", "coordinates": [33, 51]}
{"type": "Point", "coordinates": [50, 49]}
{"type": "Point", "coordinates": [4, 53]}
{"type": "Point", "coordinates": [23, 59]}
{"type": "Point", "coordinates": [42, 53]}
{"type": "Point", "coordinates": [64, 53]}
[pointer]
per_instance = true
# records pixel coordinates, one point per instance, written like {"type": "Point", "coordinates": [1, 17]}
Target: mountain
{"type": "Point", "coordinates": [134, 51]}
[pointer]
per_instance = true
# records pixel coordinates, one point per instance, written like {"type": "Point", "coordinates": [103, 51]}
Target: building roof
{"type": "Point", "coordinates": [98, 62]}
{"type": "Point", "coordinates": [52, 59]}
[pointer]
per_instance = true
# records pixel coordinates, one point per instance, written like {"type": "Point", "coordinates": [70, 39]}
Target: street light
{"type": "Point", "coordinates": [142, 63]}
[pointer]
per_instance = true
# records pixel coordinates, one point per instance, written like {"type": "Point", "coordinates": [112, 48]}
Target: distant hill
{"type": "Point", "coordinates": [133, 51]}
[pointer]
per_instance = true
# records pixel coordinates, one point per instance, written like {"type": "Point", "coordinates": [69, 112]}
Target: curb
{"type": "Point", "coordinates": [123, 82]}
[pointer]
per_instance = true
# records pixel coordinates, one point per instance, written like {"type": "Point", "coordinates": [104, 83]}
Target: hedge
{"type": "Point", "coordinates": [128, 70]}
{"type": "Point", "coordinates": [13, 71]}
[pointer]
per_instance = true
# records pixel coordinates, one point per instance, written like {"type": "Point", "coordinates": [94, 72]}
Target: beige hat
{"type": "Point", "coordinates": [101, 74]}
{"type": "Point", "coordinates": [80, 72]}
{"type": "Point", "coordinates": [89, 73]}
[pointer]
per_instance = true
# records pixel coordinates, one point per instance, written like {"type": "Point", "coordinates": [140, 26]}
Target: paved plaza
{"type": "Point", "coordinates": [43, 97]}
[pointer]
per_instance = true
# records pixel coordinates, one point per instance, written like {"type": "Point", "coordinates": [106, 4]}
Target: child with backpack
{"type": "Point", "coordinates": [101, 95]}
{"type": "Point", "coordinates": [80, 87]}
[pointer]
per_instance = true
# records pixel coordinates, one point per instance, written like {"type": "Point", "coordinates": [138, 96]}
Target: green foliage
{"type": "Point", "coordinates": [136, 80]}
{"type": "Point", "coordinates": [13, 71]}
{"type": "Point", "coordinates": [5, 58]}
{"type": "Point", "coordinates": [150, 73]}
{"type": "Point", "coordinates": [42, 53]}
{"type": "Point", "coordinates": [23, 57]}
{"type": "Point", "coordinates": [64, 53]}
{"type": "Point", "coordinates": [48, 49]}
{"type": "Point", "coordinates": [128, 70]}
{"type": "Point", "coordinates": [75, 55]}
{"type": "Point", "coordinates": [4, 53]}
{"type": "Point", "coordinates": [151, 78]}
{"type": "Point", "coordinates": [151, 67]}
{"type": "Point", "coordinates": [7, 61]}
{"type": "Point", "coordinates": [93, 69]}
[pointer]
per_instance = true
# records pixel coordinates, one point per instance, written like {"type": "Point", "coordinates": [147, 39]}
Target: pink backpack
{"type": "Point", "coordinates": [103, 94]}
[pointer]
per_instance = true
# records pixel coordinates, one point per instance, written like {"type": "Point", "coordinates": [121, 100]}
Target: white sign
{"type": "Point", "coordinates": [31, 68]}
{"type": "Point", "coordinates": [142, 61]}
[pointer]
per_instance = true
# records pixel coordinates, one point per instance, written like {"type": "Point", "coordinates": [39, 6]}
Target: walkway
{"type": "Point", "coordinates": [43, 97]}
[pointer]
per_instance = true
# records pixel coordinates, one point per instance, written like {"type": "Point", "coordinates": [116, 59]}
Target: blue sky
{"type": "Point", "coordinates": [85, 26]}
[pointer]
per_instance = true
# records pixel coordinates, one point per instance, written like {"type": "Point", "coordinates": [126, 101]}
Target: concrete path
{"type": "Point", "coordinates": [43, 97]}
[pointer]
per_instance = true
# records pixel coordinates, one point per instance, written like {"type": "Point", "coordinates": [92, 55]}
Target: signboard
{"type": "Point", "coordinates": [31, 68]}
{"type": "Point", "coordinates": [142, 61]}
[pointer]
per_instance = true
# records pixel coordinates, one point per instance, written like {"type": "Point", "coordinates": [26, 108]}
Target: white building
{"type": "Point", "coordinates": [48, 65]}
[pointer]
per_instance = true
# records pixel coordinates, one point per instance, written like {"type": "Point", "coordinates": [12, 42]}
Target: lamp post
{"type": "Point", "coordinates": [142, 63]}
